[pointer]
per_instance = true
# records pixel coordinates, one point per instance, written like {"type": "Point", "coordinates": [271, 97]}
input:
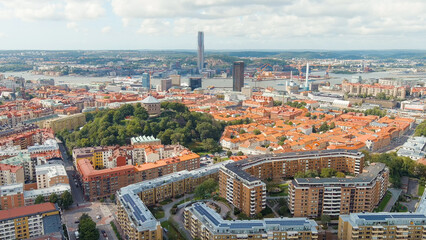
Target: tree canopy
{"type": "Point", "coordinates": [87, 228]}
{"type": "Point", "coordinates": [206, 188]}
{"type": "Point", "coordinates": [176, 124]}
{"type": "Point", "coordinates": [421, 129]}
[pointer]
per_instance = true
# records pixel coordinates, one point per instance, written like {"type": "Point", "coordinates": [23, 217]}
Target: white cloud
{"type": "Point", "coordinates": [106, 29]}
{"type": "Point", "coordinates": [154, 27]}
{"type": "Point", "coordinates": [31, 10]}
{"type": "Point", "coordinates": [258, 19]}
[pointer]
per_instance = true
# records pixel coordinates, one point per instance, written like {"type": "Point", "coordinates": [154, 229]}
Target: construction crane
{"type": "Point", "coordinates": [327, 76]}
{"type": "Point", "coordinates": [261, 70]}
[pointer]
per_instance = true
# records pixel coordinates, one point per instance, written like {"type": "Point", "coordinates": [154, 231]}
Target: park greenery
{"type": "Point", "coordinates": [87, 228]}
{"type": "Point", "coordinates": [205, 189]}
{"type": "Point", "coordinates": [325, 173]}
{"type": "Point", "coordinates": [176, 124]}
{"type": "Point", "coordinates": [421, 129]}
{"type": "Point", "coordinates": [398, 166]}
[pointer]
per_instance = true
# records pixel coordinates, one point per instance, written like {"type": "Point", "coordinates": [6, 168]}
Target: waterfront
{"type": "Point", "coordinates": [216, 82]}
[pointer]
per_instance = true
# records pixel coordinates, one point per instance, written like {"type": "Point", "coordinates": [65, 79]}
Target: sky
{"type": "Point", "coordinates": [227, 24]}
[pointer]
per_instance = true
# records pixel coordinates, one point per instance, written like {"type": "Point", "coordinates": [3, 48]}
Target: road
{"type": "Point", "coordinates": [104, 210]}
{"type": "Point", "coordinates": [392, 201]}
{"type": "Point", "coordinates": [77, 193]}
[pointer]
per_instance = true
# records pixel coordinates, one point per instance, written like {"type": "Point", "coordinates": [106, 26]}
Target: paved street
{"type": "Point", "coordinates": [77, 193]}
{"type": "Point", "coordinates": [105, 210]}
{"type": "Point", "coordinates": [392, 201]}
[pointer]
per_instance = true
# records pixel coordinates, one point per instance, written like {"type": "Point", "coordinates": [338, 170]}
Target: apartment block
{"type": "Point", "coordinates": [25, 161]}
{"type": "Point", "coordinates": [373, 89]}
{"type": "Point", "coordinates": [140, 152]}
{"type": "Point", "coordinates": [49, 175]}
{"type": "Point", "coordinates": [30, 221]}
{"type": "Point", "coordinates": [69, 122]}
{"type": "Point", "coordinates": [240, 182]}
{"type": "Point", "coordinates": [134, 218]}
{"type": "Point", "coordinates": [12, 196]}
{"type": "Point", "coordinates": [204, 223]}
{"type": "Point", "coordinates": [313, 197]}
{"type": "Point", "coordinates": [242, 190]}
{"type": "Point", "coordinates": [382, 226]}
{"type": "Point", "coordinates": [10, 174]}
{"type": "Point", "coordinates": [103, 183]}
{"type": "Point", "coordinates": [31, 195]}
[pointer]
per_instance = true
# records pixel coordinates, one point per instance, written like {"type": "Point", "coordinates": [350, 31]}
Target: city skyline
{"type": "Point", "coordinates": [281, 25]}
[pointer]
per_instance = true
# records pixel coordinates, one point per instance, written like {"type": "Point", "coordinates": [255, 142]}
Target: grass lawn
{"type": "Point", "coordinates": [159, 214]}
{"type": "Point", "coordinates": [166, 202]}
{"type": "Point", "coordinates": [421, 190]}
{"type": "Point", "coordinates": [172, 232]}
{"type": "Point", "coordinates": [284, 191]}
{"type": "Point", "coordinates": [384, 202]}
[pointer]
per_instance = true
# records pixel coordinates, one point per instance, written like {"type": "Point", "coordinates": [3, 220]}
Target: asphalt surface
{"type": "Point", "coordinates": [105, 211]}
{"type": "Point", "coordinates": [392, 201]}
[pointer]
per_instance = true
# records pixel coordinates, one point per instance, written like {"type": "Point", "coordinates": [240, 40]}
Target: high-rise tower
{"type": "Point", "coordinates": [238, 76]}
{"type": "Point", "coordinates": [200, 59]}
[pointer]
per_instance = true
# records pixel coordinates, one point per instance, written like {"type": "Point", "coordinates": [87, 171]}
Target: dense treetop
{"type": "Point", "coordinates": [197, 131]}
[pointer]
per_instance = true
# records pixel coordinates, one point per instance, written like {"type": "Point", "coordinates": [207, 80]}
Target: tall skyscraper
{"type": "Point", "coordinates": [146, 80]}
{"type": "Point", "coordinates": [195, 82]}
{"type": "Point", "coordinates": [200, 59]}
{"type": "Point", "coordinates": [238, 76]}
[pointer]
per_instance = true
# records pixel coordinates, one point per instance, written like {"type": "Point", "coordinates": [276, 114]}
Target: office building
{"type": "Point", "coordinates": [195, 82]}
{"type": "Point", "coordinates": [146, 80]}
{"type": "Point", "coordinates": [135, 219]}
{"type": "Point", "coordinates": [204, 223]}
{"type": "Point", "coordinates": [166, 84]}
{"type": "Point", "coordinates": [30, 221]}
{"type": "Point", "coordinates": [240, 182]}
{"type": "Point", "coordinates": [200, 52]}
{"type": "Point", "coordinates": [175, 80]}
{"type": "Point", "coordinates": [238, 76]}
{"type": "Point", "coordinates": [410, 226]}
{"type": "Point", "coordinates": [313, 197]}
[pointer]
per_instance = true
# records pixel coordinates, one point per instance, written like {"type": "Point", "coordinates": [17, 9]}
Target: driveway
{"type": "Point", "coordinates": [394, 198]}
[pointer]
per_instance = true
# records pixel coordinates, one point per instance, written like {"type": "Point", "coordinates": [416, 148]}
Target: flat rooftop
{"type": "Point", "coordinates": [368, 175]}
{"type": "Point", "coordinates": [216, 224]}
{"type": "Point", "coordinates": [238, 167]}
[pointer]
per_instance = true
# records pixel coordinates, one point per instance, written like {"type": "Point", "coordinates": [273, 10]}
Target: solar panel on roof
{"type": "Point", "coordinates": [245, 225]}
{"type": "Point", "coordinates": [374, 217]}
{"type": "Point", "coordinates": [286, 222]}
{"type": "Point", "coordinates": [409, 216]}
{"type": "Point", "coordinates": [203, 212]}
